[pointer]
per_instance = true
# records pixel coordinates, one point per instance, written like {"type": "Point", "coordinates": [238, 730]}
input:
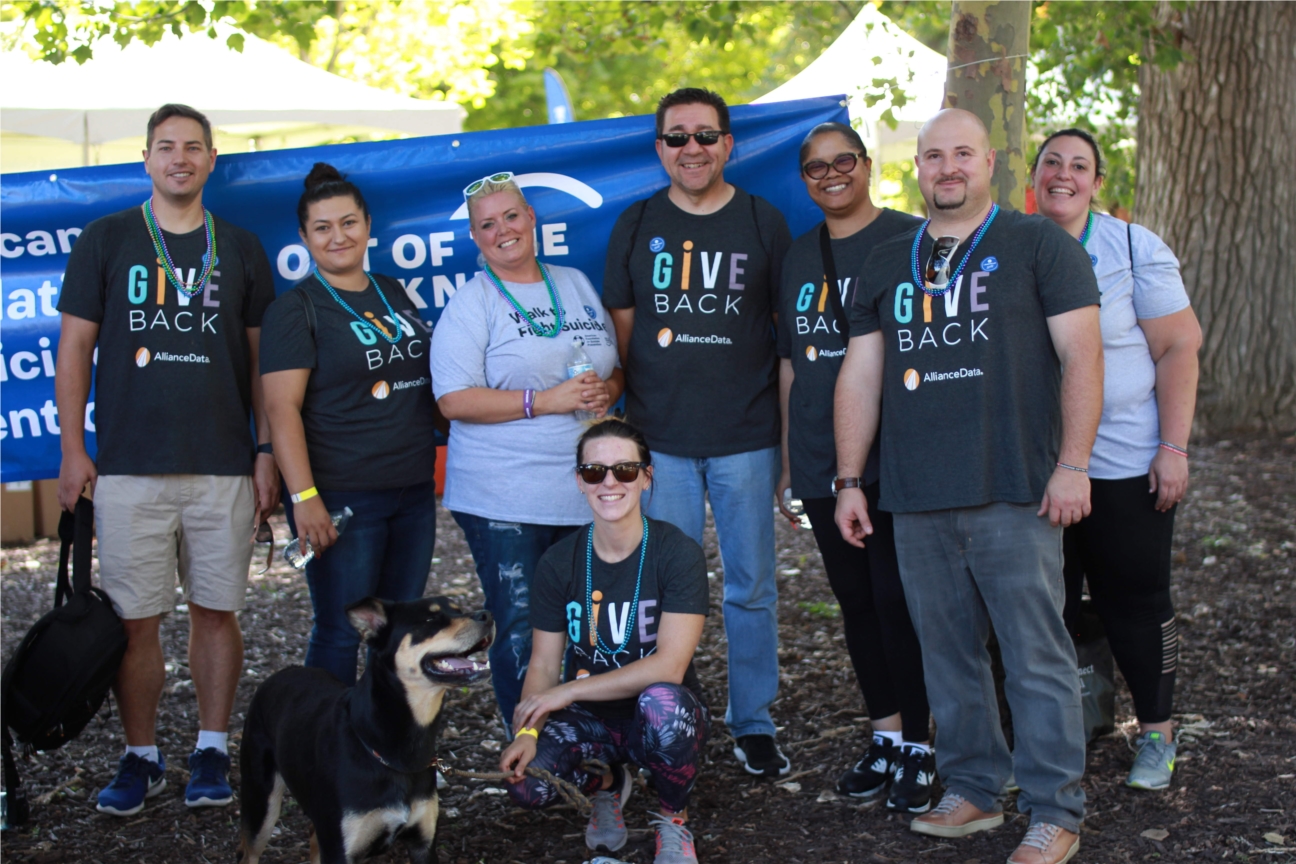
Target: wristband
{"type": "Point", "coordinates": [267, 447]}
{"type": "Point", "coordinates": [1166, 445]}
{"type": "Point", "coordinates": [1072, 468]}
{"type": "Point", "coordinates": [528, 404]}
{"type": "Point", "coordinates": [527, 730]}
{"type": "Point", "coordinates": [304, 495]}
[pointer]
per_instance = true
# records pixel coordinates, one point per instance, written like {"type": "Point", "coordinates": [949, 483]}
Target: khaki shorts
{"type": "Point", "coordinates": [151, 526]}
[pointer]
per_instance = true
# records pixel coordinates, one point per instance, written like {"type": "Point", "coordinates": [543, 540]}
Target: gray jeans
{"type": "Point", "coordinates": [963, 569]}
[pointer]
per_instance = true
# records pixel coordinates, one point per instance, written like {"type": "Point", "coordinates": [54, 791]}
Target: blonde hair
{"type": "Point", "coordinates": [490, 187]}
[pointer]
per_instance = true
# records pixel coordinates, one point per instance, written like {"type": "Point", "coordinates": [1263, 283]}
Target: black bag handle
{"type": "Point", "coordinates": [75, 532]}
{"type": "Point", "coordinates": [834, 291]}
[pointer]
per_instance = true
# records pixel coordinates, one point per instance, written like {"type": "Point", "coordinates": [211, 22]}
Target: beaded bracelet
{"type": "Point", "coordinates": [1166, 445]}
{"type": "Point", "coordinates": [527, 730]}
{"type": "Point", "coordinates": [1072, 468]}
{"type": "Point", "coordinates": [528, 404]}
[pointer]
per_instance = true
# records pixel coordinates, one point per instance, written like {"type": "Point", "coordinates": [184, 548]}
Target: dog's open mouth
{"type": "Point", "coordinates": [458, 668]}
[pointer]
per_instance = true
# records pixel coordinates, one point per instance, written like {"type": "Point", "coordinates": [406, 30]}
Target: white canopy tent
{"type": "Point", "coordinates": [263, 98]}
{"type": "Point", "coordinates": [873, 47]}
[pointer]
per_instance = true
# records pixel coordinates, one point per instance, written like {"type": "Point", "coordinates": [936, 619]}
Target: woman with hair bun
{"type": "Point", "coordinates": [344, 366]}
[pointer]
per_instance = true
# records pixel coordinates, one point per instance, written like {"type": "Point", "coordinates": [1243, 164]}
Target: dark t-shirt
{"type": "Point", "coordinates": [702, 376]}
{"type": "Point", "coordinates": [971, 381]}
{"type": "Point", "coordinates": [808, 334]}
{"type": "Point", "coordinates": [674, 580]}
{"type": "Point", "coordinates": [368, 408]}
{"type": "Point", "coordinates": [173, 390]}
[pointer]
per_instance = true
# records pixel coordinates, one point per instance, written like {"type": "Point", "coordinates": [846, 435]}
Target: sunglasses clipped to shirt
{"type": "Point", "coordinates": [625, 472]}
{"type": "Point", "coordinates": [843, 164]}
{"type": "Point", "coordinates": [676, 140]}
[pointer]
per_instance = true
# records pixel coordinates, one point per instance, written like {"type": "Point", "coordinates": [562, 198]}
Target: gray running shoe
{"type": "Point", "coordinates": [1154, 763]}
{"type": "Point", "coordinates": [606, 829]}
{"type": "Point", "coordinates": [674, 841]}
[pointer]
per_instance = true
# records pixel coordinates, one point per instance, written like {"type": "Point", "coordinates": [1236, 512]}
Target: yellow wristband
{"type": "Point", "coordinates": [527, 730]}
{"type": "Point", "coordinates": [305, 495]}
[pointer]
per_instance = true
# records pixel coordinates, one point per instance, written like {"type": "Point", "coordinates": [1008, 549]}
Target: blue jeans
{"type": "Point", "coordinates": [741, 489]}
{"type": "Point", "coordinates": [506, 555]}
{"type": "Point", "coordinates": [963, 569]}
{"type": "Point", "coordinates": [385, 552]}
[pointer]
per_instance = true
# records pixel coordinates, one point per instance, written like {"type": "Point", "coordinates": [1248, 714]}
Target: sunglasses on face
{"type": "Point", "coordinates": [625, 472]}
{"type": "Point", "coordinates": [843, 164]}
{"type": "Point", "coordinates": [501, 177]}
{"type": "Point", "coordinates": [942, 255]}
{"type": "Point", "coordinates": [675, 140]}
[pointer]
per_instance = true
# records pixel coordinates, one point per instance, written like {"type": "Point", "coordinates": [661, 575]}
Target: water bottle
{"type": "Point", "coordinates": [292, 552]}
{"type": "Point", "coordinates": [796, 508]}
{"type": "Point", "coordinates": [578, 363]}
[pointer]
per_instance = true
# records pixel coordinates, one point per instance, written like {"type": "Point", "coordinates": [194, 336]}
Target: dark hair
{"type": "Point", "coordinates": [693, 96]}
{"type": "Point", "coordinates": [613, 427]}
{"type": "Point", "coordinates": [172, 109]}
{"type": "Point", "coordinates": [325, 182]}
{"type": "Point", "coordinates": [852, 138]}
{"type": "Point", "coordinates": [1100, 169]}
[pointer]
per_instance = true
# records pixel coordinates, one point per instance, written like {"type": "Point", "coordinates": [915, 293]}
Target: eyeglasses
{"type": "Point", "coordinates": [676, 140]}
{"type": "Point", "coordinates": [843, 164]}
{"type": "Point", "coordinates": [265, 534]}
{"type": "Point", "coordinates": [473, 187]}
{"type": "Point", "coordinates": [942, 255]}
{"type": "Point", "coordinates": [625, 472]}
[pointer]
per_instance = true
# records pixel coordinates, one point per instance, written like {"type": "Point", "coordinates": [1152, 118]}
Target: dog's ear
{"type": "Point", "coordinates": [368, 617]}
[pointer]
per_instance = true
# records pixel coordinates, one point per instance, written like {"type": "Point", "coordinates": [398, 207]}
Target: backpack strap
{"type": "Point", "coordinates": [16, 808]}
{"type": "Point", "coordinates": [760, 236]}
{"type": "Point", "coordinates": [830, 276]}
{"type": "Point", "coordinates": [309, 305]}
{"type": "Point", "coordinates": [1129, 240]}
{"type": "Point", "coordinates": [634, 234]}
{"type": "Point", "coordinates": [75, 532]}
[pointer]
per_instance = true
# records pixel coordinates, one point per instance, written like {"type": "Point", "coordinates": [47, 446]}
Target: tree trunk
{"type": "Point", "coordinates": [988, 43]}
{"type": "Point", "coordinates": [1217, 182]}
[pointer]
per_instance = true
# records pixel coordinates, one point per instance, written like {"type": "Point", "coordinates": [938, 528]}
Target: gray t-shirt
{"type": "Point", "coordinates": [1148, 286]}
{"type": "Point", "coordinates": [522, 470]}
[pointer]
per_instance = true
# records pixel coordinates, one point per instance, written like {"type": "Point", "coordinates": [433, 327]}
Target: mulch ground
{"type": "Point", "coordinates": [1233, 798]}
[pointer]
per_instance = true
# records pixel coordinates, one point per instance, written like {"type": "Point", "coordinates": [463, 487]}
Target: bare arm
{"type": "Point", "coordinates": [265, 476]}
{"type": "Point", "coordinates": [1173, 341]}
{"type": "Point", "coordinates": [623, 323]}
{"type": "Point", "coordinates": [1077, 340]}
{"type": "Point", "coordinates": [284, 393]}
{"type": "Point", "coordinates": [585, 392]}
{"type": "Point", "coordinates": [72, 377]}
{"type": "Point", "coordinates": [857, 404]}
{"type": "Point", "coordinates": [543, 674]}
{"type": "Point", "coordinates": [786, 377]}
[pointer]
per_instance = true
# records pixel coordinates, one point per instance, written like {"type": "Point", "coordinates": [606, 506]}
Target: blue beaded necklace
{"type": "Point", "coordinates": [589, 591]}
{"type": "Point", "coordinates": [371, 324]}
{"type": "Point", "coordinates": [1085, 234]}
{"type": "Point", "coordinates": [954, 277]}
{"type": "Point", "coordinates": [209, 259]}
{"type": "Point", "coordinates": [517, 307]}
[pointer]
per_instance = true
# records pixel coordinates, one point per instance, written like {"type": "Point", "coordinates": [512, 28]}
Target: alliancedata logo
{"type": "Point", "coordinates": [912, 378]}
{"type": "Point", "coordinates": [143, 358]}
{"type": "Point", "coordinates": [812, 353]}
{"type": "Point", "coordinates": [381, 390]}
{"type": "Point", "coordinates": [665, 337]}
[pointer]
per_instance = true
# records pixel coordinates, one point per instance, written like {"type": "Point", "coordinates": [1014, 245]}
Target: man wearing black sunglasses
{"type": "Point", "coordinates": [691, 285]}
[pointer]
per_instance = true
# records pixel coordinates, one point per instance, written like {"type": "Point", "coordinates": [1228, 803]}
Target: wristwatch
{"type": "Point", "coordinates": [840, 483]}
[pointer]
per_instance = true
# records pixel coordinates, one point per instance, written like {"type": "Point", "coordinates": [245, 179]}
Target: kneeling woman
{"type": "Point", "coordinates": [624, 600]}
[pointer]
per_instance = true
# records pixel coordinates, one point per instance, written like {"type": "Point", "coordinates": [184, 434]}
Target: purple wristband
{"type": "Point", "coordinates": [528, 404]}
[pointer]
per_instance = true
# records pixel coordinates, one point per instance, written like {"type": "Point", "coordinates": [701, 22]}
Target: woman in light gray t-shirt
{"type": "Point", "coordinates": [500, 358]}
{"type": "Point", "coordinates": [1139, 467]}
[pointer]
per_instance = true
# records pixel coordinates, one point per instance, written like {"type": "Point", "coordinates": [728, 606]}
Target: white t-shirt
{"type": "Point", "coordinates": [522, 470]}
{"type": "Point", "coordinates": [1149, 286]}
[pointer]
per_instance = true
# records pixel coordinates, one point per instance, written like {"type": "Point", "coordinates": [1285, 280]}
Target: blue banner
{"type": "Point", "coordinates": [578, 176]}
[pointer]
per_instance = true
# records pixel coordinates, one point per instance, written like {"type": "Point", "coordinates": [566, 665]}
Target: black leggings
{"type": "Point", "coordinates": [1123, 549]}
{"type": "Point", "coordinates": [879, 634]}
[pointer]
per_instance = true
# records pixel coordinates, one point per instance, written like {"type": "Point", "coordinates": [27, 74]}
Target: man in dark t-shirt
{"type": "Point", "coordinates": [691, 286]}
{"type": "Point", "coordinates": [163, 302]}
{"type": "Point", "coordinates": [980, 331]}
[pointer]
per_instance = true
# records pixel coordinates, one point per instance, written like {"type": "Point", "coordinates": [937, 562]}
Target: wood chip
{"type": "Point", "coordinates": [1157, 834]}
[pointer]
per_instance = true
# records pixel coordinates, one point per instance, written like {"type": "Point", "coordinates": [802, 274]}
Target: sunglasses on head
{"type": "Point", "coordinates": [625, 472]}
{"type": "Point", "coordinates": [843, 164]}
{"type": "Point", "coordinates": [942, 255]}
{"type": "Point", "coordinates": [501, 177]}
{"type": "Point", "coordinates": [675, 140]}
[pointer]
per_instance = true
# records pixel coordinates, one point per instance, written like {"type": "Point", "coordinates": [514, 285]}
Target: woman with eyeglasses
{"type": "Point", "coordinates": [617, 610]}
{"type": "Point", "coordinates": [1139, 468]}
{"type": "Point", "coordinates": [500, 371]}
{"type": "Point", "coordinates": [820, 275]}
{"type": "Point", "coordinates": [344, 367]}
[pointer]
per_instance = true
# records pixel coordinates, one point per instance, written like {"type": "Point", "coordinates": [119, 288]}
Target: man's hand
{"type": "Point", "coordinates": [1168, 477]}
{"type": "Point", "coordinates": [1066, 498]}
{"type": "Point", "coordinates": [75, 472]}
{"type": "Point", "coordinates": [265, 479]}
{"type": "Point", "coordinates": [784, 483]}
{"type": "Point", "coordinates": [852, 516]}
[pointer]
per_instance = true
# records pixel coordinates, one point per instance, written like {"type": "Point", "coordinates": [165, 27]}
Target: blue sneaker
{"type": "Point", "coordinates": [208, 779]}
{"type": "Point", "coordinates": [137, 778]}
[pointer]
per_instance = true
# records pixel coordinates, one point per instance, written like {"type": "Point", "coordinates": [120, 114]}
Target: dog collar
{"type": "Point", "coordinates": [373, 751]}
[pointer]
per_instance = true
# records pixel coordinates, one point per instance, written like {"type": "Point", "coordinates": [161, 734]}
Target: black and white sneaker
{"type": "Point", "coordinates": [871, 775]}
{"type": "Point", "coordinates": [759, 755]}
{"type": "Point", "coordinates": [911, 791]}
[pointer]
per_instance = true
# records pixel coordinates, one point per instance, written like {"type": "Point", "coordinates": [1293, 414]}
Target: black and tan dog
{"type": "Point", "coordinates": [361, 760]}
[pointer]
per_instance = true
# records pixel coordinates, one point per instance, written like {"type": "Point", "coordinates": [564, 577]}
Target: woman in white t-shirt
{"type": "Point", "coordinates": [1139, 467]}
{"type": "Point", "coordinates": [500, 359]}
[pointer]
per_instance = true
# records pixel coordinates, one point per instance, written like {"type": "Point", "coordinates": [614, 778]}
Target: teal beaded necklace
{"type": "Point", "coordinates": [1088, 230]}
{"type": "Point", "coordinates": [209, 259]}
{"type": "Point", "coordinates": [546, 332]}
{"type": "Point", "coordinates": [589, 591]}
{"type": "Point", "coordinates": [373, 325]}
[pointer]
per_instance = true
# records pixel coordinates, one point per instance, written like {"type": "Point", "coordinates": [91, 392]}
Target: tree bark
{"type": "Point", "coordinates": [1217, 182]}
{"type": "Point", "coordinates": [988, 44]}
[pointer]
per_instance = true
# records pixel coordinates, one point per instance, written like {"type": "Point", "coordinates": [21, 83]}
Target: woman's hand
{"type": "Point", "coordinates": [585, 392]}
{"type": "Point", "coordinates": [785, 483]}
{"type": "Point", "coordinates": [532, 710]}
{"type": "Point", "coordinates": [1168, 477]}
{"type": "Point", "coordinates": [314, 524]}
{"type": "Point", "coordinates": [517, 756]}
